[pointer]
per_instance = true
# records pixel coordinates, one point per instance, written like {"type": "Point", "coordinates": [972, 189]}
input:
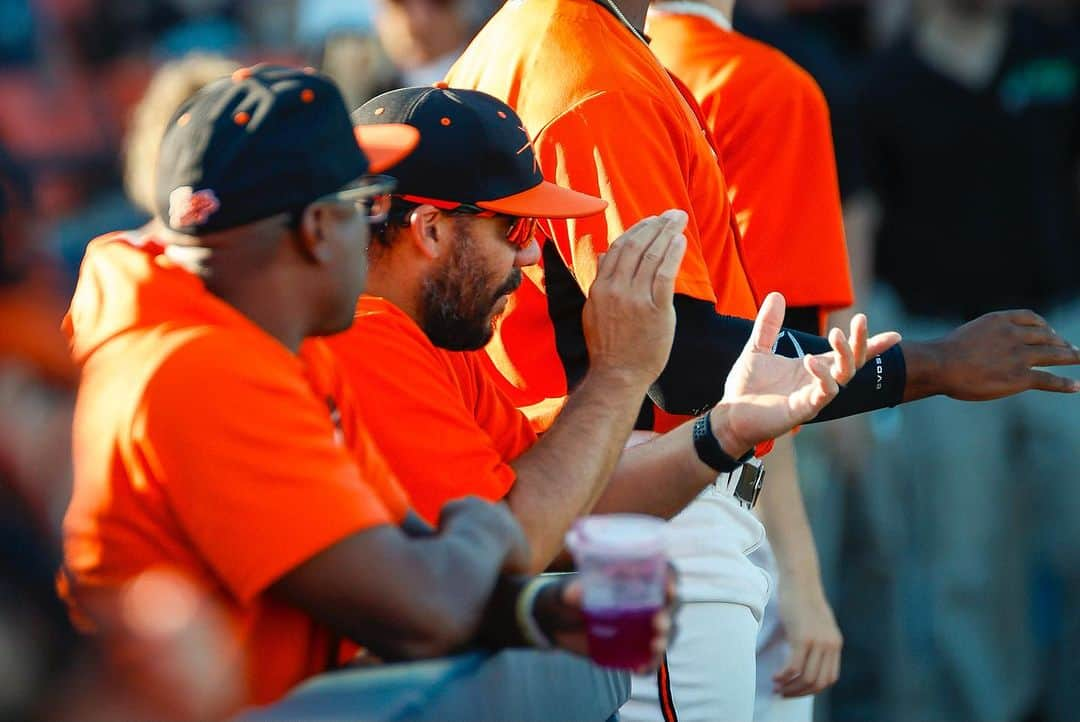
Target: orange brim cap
{"type": "Point", "coordinates": [546, 200]}
{"type": "Point", "coordinates": [386, 145]}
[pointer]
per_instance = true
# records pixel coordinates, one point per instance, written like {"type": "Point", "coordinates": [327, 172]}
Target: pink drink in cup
{"type": "Point", "coordinates": [622, 561]}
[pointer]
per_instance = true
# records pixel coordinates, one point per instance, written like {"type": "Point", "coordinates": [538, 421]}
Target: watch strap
{"type": "Point", "coordinates": [709, 450]}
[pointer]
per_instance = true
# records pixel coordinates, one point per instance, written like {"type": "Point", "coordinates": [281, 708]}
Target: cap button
{"type": "Point", "coordinates": [442, 85]}
{"type": "Point", "coordinates": [241, 74]}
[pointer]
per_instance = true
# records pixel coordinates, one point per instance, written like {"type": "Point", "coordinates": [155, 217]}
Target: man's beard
{"type": "Point", "coordinates": [456, 306]}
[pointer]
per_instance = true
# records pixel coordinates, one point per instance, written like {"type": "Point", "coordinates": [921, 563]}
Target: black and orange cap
{"type": "Point", "coordinates": [266, 140]}
{"type": "Point", "coordinates": [473, 149]}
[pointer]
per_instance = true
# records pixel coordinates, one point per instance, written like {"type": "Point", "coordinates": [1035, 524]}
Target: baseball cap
{"type": "Point", "coordinates": [266, 140]}
{"type": "Point", "coordinates": [474, 149]}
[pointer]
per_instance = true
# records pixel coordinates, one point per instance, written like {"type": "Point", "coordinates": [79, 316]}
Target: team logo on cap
{"type": "Point", "coordinates": [188, 207]}
{"type": "Point", "coordinates": [529, 146]}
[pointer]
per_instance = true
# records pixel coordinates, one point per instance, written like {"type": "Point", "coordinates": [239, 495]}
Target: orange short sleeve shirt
{"type": "Point", "coordinates": [203, 445]}
{"type": "Point", "coordinates": [443, 426]}
{"type": "Point", "coordinates": [770, 122]}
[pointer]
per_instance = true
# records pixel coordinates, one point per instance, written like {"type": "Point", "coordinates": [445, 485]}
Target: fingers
{"type": "Point", "coordinates": [858, 337]}
{"type": "Point", "coordinates": [793, 669]}
{"type": "Point", "coordinates": [654, 253]}
{"type": "Point", "coordinates": [573, 595]}
{"type": "Point", "coordinates": [1040, 336]}
{"type": "Point", "coordinates": [826, 387]}
{"type": "Point", "coordinates": [807, 682]}
{"type": "Point", "coordinates": [663, 278]}
{"type": "Point", "coordinates": [1023, 317]}
{"type": "Point", "coordinates": [663, 631]}
{"type": "Point", "coordinates": [621, 259]}
{"type": "Point", "coordinates": [835, 670]}
{"type": "Point", "coordinates": [1046, 381]}
{"type": "Point", "coordinates": [843, 366]}
{"type": "Point", "coordinates": [1052, 356]}
{"type": "Point", "coordinates": [767, 325]}
{"type": "Point", "coordinates": [882, 342]}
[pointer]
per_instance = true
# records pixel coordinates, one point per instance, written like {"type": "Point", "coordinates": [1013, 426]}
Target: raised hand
{"type": "Point", "coordinates": [995, 355]}
{"type": "Point", "coordinates": [767, 395]}
{"type": "Point", "coordinates": [629, 319]}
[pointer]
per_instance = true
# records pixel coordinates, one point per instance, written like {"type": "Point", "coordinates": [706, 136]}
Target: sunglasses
{"type": "Point", "coordinates": [370, 197]}
{"type": "Point", "coordinates": [520, 234]}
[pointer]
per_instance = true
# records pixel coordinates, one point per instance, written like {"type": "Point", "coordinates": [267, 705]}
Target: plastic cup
{"type": "Point", "coordinates": [622, 560]}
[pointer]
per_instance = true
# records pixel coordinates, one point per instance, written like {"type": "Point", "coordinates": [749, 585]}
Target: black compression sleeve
{"type": "Point", "coordinates": [803, 318]}
{"type": "Point", "coordinates": [707, 344]}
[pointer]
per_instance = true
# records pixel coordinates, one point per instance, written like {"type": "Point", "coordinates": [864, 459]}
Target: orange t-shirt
{"type": "Point", "coordinates": [607, 120]}
{"type": "Point", "coordinates": [770, 122]}
{"type": "Point", "coordinates": [444, 428]}
{"type": "Point", "coordinates": [203, 445]}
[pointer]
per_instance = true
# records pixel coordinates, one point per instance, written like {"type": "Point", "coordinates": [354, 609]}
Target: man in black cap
{"type": "Point", "coordinates": [459, 233]}
{"type": "Point", "coordinates": [215, 438]}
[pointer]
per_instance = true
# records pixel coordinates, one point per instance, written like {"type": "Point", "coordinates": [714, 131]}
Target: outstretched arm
{"type": "Point", "coordinates": [996, 355]}
{"type": "Point", "coordinates": [765, 395]}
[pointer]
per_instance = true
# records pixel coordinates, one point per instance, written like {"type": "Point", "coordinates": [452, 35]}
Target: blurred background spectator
{"type": "Point", "coordinates": [950, 541]}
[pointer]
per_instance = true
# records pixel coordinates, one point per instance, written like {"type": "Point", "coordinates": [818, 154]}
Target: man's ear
{"type": "Point", "coordinates": [314, 232]}
{"type": "Point", "coordinates": [424, 233]}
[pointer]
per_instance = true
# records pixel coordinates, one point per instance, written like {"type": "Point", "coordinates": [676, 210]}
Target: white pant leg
{"type": "Point", "coordinates": [772, 654]}
{"type": "Point", "coordinates": [710, 669]}
{"type": "Point", "coordinates": [711, 664]}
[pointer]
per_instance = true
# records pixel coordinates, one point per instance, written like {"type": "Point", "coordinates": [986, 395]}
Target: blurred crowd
{"type": "Point", "coordinates": [957, 149]}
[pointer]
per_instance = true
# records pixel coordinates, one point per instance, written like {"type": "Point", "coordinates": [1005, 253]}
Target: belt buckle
{"type": "Point", "coordinates": [748, 487]}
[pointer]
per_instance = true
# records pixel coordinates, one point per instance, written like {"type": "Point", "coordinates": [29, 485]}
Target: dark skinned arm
{"type": "Point", "coordinates": [408, 597]}
{"type": "Point", "coordinates": [993, 356]}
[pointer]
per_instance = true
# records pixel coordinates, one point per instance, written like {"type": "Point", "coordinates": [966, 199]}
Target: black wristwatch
{"type": "Point", "coordinates": [709, 450]}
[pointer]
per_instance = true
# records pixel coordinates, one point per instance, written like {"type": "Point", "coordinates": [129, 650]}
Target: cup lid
{"type": "Point", "coordinates": [618, 535]}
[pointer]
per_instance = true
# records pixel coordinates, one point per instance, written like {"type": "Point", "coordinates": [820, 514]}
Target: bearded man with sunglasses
{"type": "Point", "coordinates": [458, 241]}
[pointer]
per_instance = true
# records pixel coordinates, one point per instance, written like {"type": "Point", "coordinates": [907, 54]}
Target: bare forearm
{"type": "Point", "coordinates": [662, 476]}
{"type": "Point", "coordinates": [455, 569]}
{"type": "Point", "coordinates": [782, 512]}
{"type": "Point", "coordinates": [564, 474]}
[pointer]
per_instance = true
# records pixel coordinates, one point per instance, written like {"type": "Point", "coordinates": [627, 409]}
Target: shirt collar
{"type": "Point", "coordinates": [700, 9]}
{"type": "Point", "coordinates": [612, 8]}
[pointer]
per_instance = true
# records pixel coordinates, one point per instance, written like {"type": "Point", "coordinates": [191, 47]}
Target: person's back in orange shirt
{"type": "Point", "coordinates": [612, 124]}
{"type": "Point", "coordinates": [770, 124]}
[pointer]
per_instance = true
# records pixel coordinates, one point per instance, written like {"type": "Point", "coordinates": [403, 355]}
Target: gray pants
{"type": "Point", "coordinates": [974, 514]}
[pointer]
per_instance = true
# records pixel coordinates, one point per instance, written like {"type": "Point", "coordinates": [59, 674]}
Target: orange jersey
{"type": "Point", "coordinates": [607, 120]}
{"type": "Point", "coordinates": [445, 429]}
{"type": "Point", "coordinates": [770, 122]}
{"type": "Point", "coordinates": [203, 445]}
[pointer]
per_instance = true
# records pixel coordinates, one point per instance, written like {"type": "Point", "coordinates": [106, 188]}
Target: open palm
{"type": "Point", "coordinates": [766, 395]}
